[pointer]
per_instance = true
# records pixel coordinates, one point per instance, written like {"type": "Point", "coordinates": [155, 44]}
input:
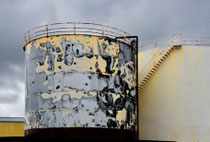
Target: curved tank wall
{"type": "Point", "coordinates": [75, 81]}
{"type": "Point", "coordinates": [175, 102]}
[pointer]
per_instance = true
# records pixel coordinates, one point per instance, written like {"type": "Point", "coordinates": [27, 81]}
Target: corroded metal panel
{"type": "Point", "coordinates": [80, 81]}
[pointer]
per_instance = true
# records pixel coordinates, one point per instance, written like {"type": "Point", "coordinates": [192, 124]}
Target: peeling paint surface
{"type": "Point", "coordinates": [80, 81]}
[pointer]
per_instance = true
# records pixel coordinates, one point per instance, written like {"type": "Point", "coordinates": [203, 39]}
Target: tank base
{"type": "Point", "coordinates": [82, 133]}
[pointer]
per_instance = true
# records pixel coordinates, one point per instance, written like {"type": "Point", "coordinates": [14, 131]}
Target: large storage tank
{"type": "Point", "coordinates": [80, 82]}
{"type": "Point", "coordinates": [174, 90]}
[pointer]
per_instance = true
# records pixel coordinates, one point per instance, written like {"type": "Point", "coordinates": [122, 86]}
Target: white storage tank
{"type": "Point", "coordinates": [174, 90]}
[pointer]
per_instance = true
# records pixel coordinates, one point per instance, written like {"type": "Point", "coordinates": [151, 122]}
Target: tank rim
{"type": "Point", "coordinates": [116, 40]}
{"type": "Point", "coordinates": [75, 28]}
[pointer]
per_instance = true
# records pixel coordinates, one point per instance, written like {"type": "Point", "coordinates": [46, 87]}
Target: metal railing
{"type": "Point", "coordinates": [75, 28]}
{"type": "Point", "coordinates": [174, 40]}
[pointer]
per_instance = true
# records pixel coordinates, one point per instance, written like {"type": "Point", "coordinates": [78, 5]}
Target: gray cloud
{"type": "Point", "coordinates": [8, 98]}
{"type": "Point", "coordinates": [149, 19]}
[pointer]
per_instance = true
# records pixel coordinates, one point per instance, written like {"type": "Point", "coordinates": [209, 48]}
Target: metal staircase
{"type": "Point", "coordinates": [162, 51]}
{"type": "Point", "coordinates": [152, 66]}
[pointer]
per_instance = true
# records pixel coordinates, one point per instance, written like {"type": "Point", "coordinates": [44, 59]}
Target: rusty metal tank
{"type": "Point", "coordinates": [80, 82]}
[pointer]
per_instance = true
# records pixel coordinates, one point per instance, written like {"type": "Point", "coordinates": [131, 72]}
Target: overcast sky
{"type": "Point", "coordinates": [149, 19]}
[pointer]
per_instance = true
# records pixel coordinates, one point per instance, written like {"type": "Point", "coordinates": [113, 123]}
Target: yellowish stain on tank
{"type": "Point", "coordinates": [115, 96]}
{"type": "Point", "coordinates": [130, 79]}
{"type": "Point", "coordinates": [50, 87]}
{"type": "Point", "coordinates": [114, 67]}
{"type": "Point", "coordinates": [172, 85]}
{"type": "Point", "coordinates": [198, 54]}
{"type": "Point", "coordinates": [121, 115]}
{"type": "Point", "coordinates": [66, 112]}
{"type": "Point", "coordinates": [72, 93]}
{"type": "Point", "coordinates": [139, 61]}
{"type": "Point", "coordinates": [45, 83]}
{"type": "Point", "coordinates": [36, 44]}
{"type": "Point", "coordinates": [191, 91]}
{"type": "Point", "coordinates": [181, 57]}
{"type": "Point", "coordinates": [81, 64]}
{"type": "Point", "coordinates": [112, 49]}
{"type": "Point", "coordinates": [28, 48]}
{"type": "Point", "coordinates": [84, 64]}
